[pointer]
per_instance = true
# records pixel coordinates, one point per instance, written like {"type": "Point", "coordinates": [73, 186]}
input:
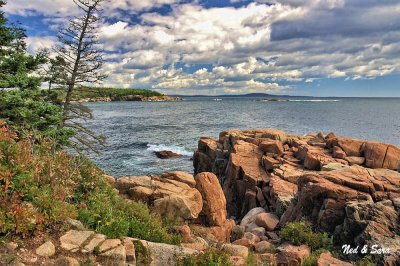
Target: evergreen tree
{"type": "Point", "coordinates": [16, 66]}
{"type": "Point", "coordinates": [83, 61]}
{"type": "Point", "coordinates": [23, 105]}
{"type": "Point", "coordinates": [56, 74]}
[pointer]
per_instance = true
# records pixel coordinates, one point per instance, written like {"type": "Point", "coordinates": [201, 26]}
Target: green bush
{"type": "Point", "coordinates": [108, 214]}
{"type": "Point", "coordinates": [104, 211]}
{"type": "Point", "coordinates": [300, 233]}
{"type": "Point", "coordinates": [40, 187]}
{"type": "Point", "coordinates": [313, 258]}
{"type": "Point", "coordinates": [211, 257]}
{"type": "Point", "coordinates": [366, 261]}
{"type": "Point", "coordinates": [251, 259]}
{"type": "Point", "coordinates": [143, 256]}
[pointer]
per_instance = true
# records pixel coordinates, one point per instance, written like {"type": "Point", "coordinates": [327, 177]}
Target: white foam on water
{"type": "Point", "coordinates": [314, 100]}
{"type": "Point", "coordinates": [173, 148]}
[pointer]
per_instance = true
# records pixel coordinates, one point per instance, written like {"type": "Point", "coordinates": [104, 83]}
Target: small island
{"type": "Point", "coordinates": [118, 95]}
{"type": "Point", "coordinates": [272, 100]}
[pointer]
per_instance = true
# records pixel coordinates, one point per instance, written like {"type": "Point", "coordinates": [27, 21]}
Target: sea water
{"type": "Point", "coordinates": [134, 130]}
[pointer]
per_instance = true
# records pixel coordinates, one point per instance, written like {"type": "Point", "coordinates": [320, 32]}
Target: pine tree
{"type": "Point", "coordinates": [16, 66]}
{"type": "Point", "coordinates": [23, 105]}
{"type": "Point", "coordinates": [56, 74]}
{"type": "Point", "coordinates": [83, 61]}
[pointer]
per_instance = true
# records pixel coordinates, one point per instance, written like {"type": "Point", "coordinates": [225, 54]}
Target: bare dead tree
{"type": "Point", "coordinates": [82, 61]}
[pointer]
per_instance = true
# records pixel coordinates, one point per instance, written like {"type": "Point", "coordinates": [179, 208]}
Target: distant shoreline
{"type": "Point", "coordinates": [130, 98]}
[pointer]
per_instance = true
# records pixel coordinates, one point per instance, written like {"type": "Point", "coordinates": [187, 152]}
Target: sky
{"type": "Point", "coordinates": [310, 47]}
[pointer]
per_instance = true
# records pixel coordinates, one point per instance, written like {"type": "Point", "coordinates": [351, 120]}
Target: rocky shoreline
{"type": "Point", "coordinates": [249, 184]}
{"type": "Point", "coordinates": [251, 191]}
{"type": "Point", "coordinates": [130, 98]}
{"type": "Point", "coordinates": [349, 188]}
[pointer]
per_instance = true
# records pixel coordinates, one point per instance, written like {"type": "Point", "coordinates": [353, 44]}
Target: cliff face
{"type": "Point", "coordinates": [347, 187]}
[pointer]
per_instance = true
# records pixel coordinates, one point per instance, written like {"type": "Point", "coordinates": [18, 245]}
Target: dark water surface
{"type": "Point", "coordinates": [134, 130]}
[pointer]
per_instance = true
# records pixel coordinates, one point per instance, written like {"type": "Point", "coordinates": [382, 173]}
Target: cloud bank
{"type": "Point", "coordinates": [263, 46]}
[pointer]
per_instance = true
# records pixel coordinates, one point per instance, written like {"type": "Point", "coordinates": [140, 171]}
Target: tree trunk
{"type": "Point", "coordinates": [71, 84]}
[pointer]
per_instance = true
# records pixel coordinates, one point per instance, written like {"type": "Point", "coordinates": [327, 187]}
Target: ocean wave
{"type": "Point", "coordinates": [176, 149]}
{"type": "Point", "coordinates": [314, 100]}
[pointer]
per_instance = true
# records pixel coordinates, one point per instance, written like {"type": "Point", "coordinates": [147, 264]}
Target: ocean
{"type": "Point", "coordinates": [134, 130]}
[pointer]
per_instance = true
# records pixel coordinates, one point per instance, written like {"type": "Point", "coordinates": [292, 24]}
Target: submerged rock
{"type": "Point", "coordinates": [167, 154]}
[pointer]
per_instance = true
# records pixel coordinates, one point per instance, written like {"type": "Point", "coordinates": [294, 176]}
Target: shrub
{"type": "Point", "coordinates": [210, 257]}
{"type": "Point", "coordinates": [313, 258]}
{"type": "Point", "coordinates": [300, 233]}
{"type": "Point", "coordinates": [108, 214]}
{"type": "Point", "coordinates": [366, 261]}
{"type": "Point", "coordinates": [104, 211]}
{"type": "Point", "coordinates": [143, 256]}
{"type": "Point", "coordinates": [40, 187]}
{"type": "Point", "coordinates": [29, 194]}
{"type": "Point", "coordinates": [251, 259]}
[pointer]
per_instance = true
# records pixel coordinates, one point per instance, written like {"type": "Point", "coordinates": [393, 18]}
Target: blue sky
{"type": "Point", "coordinates": [308, 47]}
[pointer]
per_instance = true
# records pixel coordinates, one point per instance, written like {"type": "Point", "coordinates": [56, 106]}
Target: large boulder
{"type": "Point", "coordinates": [187, 206]}
{"type": "Point", "coordinates": [125, 184]}
{"type": "Point", "coordinates": [392, 159]}
{"type": "Point", "coordinates": [379, 155]}
{"type": "Point", "coordinates": [281, 173]}
{"type": "Point", "coordinates": [269, 221]}
{"type": "Point", "coordinates": [375, 153]}
{"type": "Point", "coordinates": [221, 233]}
{"type": "Point", "coordinates": [214, 202]}
{"type": "Point", "coordinates": [248, 221]}
{"type": "Point", "coordinates": [290, 255]}
{"type": "Point", "coordinates": [172, 194]}
{"type": "Point", "coordinates": [352, 147]}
